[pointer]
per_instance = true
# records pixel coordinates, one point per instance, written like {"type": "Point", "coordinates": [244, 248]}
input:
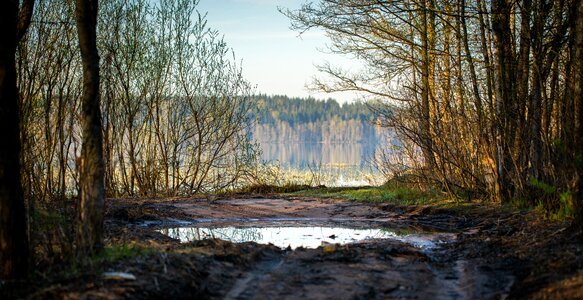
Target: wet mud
{"type": "Point", "coordinates": [489, 254]}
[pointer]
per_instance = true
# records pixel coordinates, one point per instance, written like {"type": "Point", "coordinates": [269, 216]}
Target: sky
{"type": "Point", "coordinates": [277, 60]}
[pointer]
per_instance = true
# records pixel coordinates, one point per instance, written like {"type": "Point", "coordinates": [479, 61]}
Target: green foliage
{"type": "Point", "coordinates": [565, 210]}
{"type": "Point", "coordinates": [120, 252]}
{"type": "Point", "coordinates": [543, 186]}
{"type": "Point", "coordinates": [555, 205]}
{"type": "Point", "coordinates": [548, 204]}
{"type": "Point", "coordinates": [566, 201]}
{"type": "Point", "coordinates": [400, 195]}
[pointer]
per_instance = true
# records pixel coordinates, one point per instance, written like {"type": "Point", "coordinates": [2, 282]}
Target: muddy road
{"type": "Point", "coordinates": [469, 252]}
{"type": "Point", "coordinates": [388, 267]}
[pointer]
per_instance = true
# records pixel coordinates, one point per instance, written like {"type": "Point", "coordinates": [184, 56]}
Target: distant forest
{"type": "Point", "coordinates": [281, 119]}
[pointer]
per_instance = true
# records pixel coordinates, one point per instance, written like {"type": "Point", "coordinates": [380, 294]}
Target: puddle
{"type": "Point", "coordinates": [305, 236]}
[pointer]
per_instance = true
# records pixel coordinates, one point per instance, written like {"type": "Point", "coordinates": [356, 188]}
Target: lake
{"type": "Point", "coordinates": [340, 164]}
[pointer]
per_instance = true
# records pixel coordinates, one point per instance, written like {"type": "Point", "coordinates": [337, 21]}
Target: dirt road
{"type": "Point", "coordinates": [489, 254]}
{"type": "Point", "coordinates": [374, 269]}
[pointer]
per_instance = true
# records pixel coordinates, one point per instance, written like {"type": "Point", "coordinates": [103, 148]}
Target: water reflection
{"type": "Point", "coordinates": [308, 237]}
{"type": "Point", "coordinates": [304, 155]}
{"type": "Point", "coordinates": [333, 164]}
{"type": "Point", "coordinates": [236, 235]}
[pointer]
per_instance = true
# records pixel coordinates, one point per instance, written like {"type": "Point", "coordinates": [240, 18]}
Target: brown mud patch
{"type": "Point", "coordinates": [496, 254]}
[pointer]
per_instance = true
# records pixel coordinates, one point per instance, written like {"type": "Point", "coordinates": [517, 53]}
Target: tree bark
{"type": "Point", "coordinates": [535, 99]}
{"type": "Point", "coordinates": [505, 95]}
{"type": "Point", "coordinates": [426, 135]}
{"type": "Point", "coordinates": [473, 76]}
{"type": "Point", "coordinates": [578, 103]}
{"type": "Point", "coordinates": [13, 232]}
{"type": "Point", "coordinates": [522, 82]}
{"type": "Point", "coordinates": [91, 201]}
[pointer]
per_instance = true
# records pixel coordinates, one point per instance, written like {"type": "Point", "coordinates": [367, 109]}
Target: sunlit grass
{"type": "Point", "coordinates": [401, 195]}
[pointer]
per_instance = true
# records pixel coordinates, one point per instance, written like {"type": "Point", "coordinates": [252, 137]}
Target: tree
{"type": "Point", "coordinates": [14, 20]}
{"type": "Point", "coordinates": [505, 91]}
{"type": "Point", "coordinates": [91, 200]}
{"type": "Point", "coordinates": [578, 103]}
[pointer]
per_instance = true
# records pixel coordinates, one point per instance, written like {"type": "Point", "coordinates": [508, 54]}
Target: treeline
{"type": "Point", "coordinates": [274, 109]}
{"type": "Point", "coordinates": [281, 119]}
{"type": "Point", "coordinates": [486, 95]}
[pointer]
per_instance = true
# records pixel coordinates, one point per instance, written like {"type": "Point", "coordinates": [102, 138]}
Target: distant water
{"type": "Point", "coordinates": [341, 164]}
{"type": "Point", "coordinates": [310, 154]}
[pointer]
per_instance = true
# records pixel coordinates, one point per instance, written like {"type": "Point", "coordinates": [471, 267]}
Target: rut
{"type": "Point", "coordinates": [373, 270]}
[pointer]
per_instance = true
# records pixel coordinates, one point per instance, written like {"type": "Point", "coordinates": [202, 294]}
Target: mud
{"type": "Point", "coordinates": [495, 254]}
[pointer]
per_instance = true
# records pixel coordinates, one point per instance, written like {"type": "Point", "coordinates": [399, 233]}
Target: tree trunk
{"type": "Point", "coordinates": [535, 99]}
{"type": "Point", "coordinates": [485, 51]}
{"type": "Point", "coordinates": [578, 103]}
{"type": "Point", "coordinates": [522, 82]}
{"type": "Point", "coordinates": [473, 76]}
{"type": "Point", "coordinates": [505, 95]}
{"type": "Point", "coordinates": [13, 231]}
{"type": "Point", "coordinates": [91, 201]}
{"type": "Point", "coordinates": [426, 135]}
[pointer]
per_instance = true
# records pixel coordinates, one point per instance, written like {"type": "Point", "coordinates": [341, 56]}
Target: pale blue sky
{"type": "Point", "coordinates": [274, 57]}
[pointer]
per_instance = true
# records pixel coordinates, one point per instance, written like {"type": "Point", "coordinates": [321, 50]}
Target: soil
{"type": "Point", "coordinates": [496, 254]}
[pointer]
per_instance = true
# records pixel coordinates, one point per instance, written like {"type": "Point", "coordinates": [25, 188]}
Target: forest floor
{"type": "Point", "coordinates": [487, 253]}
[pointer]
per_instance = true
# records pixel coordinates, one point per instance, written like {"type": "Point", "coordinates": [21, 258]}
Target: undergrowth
{"type": "Point", "coordinates": [115, 253]}
{"type": "Point", "coordinates": [548, 200]}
